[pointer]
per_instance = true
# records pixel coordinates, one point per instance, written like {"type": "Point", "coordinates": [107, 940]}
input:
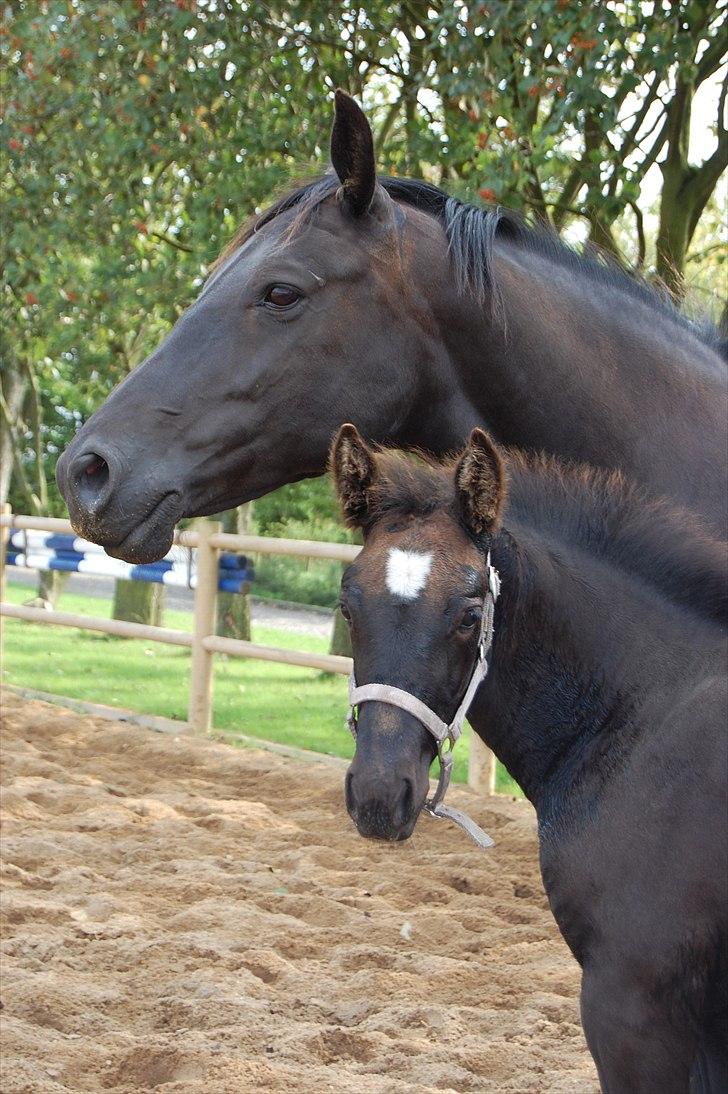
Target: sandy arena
{"type": "Point", "coordinates": [184, 916]}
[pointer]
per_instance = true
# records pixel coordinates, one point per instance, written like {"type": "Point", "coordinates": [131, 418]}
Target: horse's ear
{"type": "Point", "coordinates": [480, 481]}
{"type": "Point", "coordinates": [353, 467]}
{"type": "Point", "coordinates": [352, 154]}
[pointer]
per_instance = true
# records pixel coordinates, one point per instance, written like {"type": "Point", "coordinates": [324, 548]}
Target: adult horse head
{"type": "Point", "coordinates": [386, 303]}
{"type": "Point", "coordinates": [291, 335]}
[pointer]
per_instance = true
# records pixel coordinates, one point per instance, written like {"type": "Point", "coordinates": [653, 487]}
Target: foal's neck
{"type": "Point", "coordinates": [583, 647]}
{"type": "Point", "coordinates": [545, 697]}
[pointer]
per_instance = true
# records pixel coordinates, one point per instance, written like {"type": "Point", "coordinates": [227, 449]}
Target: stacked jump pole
{"type": "Point", "coordinates": [209, 542]}
{"type": "Point", "coordinates": [70, 554]}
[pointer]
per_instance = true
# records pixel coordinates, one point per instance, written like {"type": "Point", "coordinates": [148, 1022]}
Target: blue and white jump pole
{"type": "Point", "coordinates": [71, 554]}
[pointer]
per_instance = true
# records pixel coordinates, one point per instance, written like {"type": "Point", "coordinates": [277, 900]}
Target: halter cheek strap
{"type": "Point", "coordinates": [445, 734]}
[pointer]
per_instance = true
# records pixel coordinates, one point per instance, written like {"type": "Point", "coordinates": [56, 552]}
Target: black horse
{"type": "Point", "coordinates": [417, 317]}
{"type": "Point", "coordinates": [605, 699]}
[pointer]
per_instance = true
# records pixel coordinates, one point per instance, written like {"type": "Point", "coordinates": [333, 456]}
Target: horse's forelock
{"type": "Point", "coordinates": [411, 484]}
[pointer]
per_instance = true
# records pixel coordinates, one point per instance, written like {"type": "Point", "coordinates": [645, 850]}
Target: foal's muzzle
{"type": "Point", "coordinates": [378, 813]}
{"type": "Point", "coordinates": [388, 779]}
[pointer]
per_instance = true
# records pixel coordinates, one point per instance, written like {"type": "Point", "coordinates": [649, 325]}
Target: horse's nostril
{"type": "Point", "coordinates": [97, 466]}
{"type": "Point", "coordinates": [90, 475]}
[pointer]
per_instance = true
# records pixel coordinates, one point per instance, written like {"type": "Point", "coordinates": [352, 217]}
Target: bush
{"type": "Point", "coordinates": [301, 510]}
{"type": "Point", "coordinates": [293, 579]}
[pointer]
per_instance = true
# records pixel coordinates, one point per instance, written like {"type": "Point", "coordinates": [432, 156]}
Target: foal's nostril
{"type": "Point", "coordinates": [405, 805]}
{"type": "Point", "coordinates": [349, 793]}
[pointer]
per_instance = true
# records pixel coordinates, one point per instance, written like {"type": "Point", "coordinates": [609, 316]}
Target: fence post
{"type": "Point", "coordinates": [200, 706]}
{"type": "Point", "coordinates": [4, 538]}
{"type": "Point", "coordinates": [481, 766]}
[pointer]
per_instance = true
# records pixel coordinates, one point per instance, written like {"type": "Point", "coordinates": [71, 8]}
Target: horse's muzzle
{"type": "Point", "coordinates": [131, 520]}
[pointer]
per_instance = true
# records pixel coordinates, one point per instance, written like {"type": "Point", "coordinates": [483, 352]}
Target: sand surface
{"type": "Point", "coordinates": [183, 916]}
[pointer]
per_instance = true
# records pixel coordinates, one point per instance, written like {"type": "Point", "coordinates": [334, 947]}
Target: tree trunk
{"type": "Point", "coordinates": [13, 389]}
{"type": "Point", "coordinates": [600, 234]}
{"type": "Point", "coordinates": [233, 609]}
{"type": "Point", "coordinates": [138, 602]}
{"type": "Point", "coordinates": [340, 636]}
{"type": "Point", "coordinates": [51, 584]}
{"type": "Point", "coordinates": [233, 615]}
{"type": "Point", "coordinates": [673, 234]}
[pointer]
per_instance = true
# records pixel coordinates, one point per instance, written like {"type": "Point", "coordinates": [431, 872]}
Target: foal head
{"type": "Point", "coordinates": [414, 601]}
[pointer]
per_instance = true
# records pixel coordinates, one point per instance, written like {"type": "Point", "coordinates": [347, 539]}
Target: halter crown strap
{"type": "Point", "coordinates": [440, 730]}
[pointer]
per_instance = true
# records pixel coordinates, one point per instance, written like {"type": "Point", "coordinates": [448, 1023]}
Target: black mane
{"type": "Point", "coordinates": [472, 232]}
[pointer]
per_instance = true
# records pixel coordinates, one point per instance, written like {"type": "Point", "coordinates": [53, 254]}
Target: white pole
{"type": "Point", "coordinates": [481, 766]}
{"type": "Point", "coordinates": [200, 707]}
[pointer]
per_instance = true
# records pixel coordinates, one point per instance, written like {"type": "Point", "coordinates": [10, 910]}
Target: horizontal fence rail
{"type": "Point", "coordinates": [119, 627]}
{"type": "Point", "coordinates": [208, 541]}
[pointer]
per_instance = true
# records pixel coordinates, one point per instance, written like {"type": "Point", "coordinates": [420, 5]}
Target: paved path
{"type": "Point", "coordinates": [268, 613]}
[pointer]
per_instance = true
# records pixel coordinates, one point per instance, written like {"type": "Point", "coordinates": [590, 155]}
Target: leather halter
{"type": "Point", "coordinates": [445, 734]}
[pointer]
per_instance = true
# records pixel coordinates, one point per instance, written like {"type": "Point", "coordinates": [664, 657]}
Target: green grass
{"type": "Point", "coordinates": [293, 706]}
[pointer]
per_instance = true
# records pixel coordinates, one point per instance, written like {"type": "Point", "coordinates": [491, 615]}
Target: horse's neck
{"type": "Point", "coordinates": [585, 372]}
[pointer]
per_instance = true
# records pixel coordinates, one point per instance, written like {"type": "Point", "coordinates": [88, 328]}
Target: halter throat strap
{"type": "Point", "coordinates": [445, 734]}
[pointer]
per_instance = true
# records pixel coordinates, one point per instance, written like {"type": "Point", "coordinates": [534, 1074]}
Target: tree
{"type": "Point", "coordinates": [137, 135]}
{"type": "Point", "coordinates": [233, 609]}
{"type": "Point", "coordinates": [687, 187]}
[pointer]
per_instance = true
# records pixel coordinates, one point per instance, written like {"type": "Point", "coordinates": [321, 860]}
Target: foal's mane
{"type": "Point", "coordinates": [472, 232]}
{"type": "Point", "coordinates": [580, 508]}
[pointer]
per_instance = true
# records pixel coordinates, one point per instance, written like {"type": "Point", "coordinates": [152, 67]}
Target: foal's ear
{"type": "Point", "coordinates": [480, 480]}
{"type": "Point", "coordinates": [353, 467]}
{"type": "Point", "coordinates": [352, 154]}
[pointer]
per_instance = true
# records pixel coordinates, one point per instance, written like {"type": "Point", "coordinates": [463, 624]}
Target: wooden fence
{"type": "Point", "coordinates": [202, 641]}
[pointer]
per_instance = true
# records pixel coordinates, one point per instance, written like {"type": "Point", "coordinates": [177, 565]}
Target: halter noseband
{"type": "Point", "coordinates": [445, 734]}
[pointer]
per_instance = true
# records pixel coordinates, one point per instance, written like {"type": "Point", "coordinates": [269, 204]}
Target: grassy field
{"type": "Point", "coordinates": [273, 702]}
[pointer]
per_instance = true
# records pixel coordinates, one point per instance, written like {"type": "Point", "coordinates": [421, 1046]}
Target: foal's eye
{"type": "Point", "coordinates": [282, 296]}
{"type": "Point", "coordinates": [469, 619]}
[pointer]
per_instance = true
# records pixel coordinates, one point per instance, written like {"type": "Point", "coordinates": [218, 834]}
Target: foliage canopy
{"type": "Point", "coordinates": [136, 135]}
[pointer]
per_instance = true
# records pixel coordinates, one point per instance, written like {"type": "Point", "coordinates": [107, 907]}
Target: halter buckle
{"type": "Point", "coordinates": [494, 579]}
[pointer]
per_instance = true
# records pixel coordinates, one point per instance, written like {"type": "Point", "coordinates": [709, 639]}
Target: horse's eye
{"type": "Point", "coordinates": [469, 619]}
{"type": "Point", "coordinates": [282, 296]}
{"type": "Point", "coordinates": [345, 612]}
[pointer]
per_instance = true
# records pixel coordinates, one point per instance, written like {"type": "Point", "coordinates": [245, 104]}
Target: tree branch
{"type": "Point", "coordinates": [714, 56]}
{"type": "Point", "coordinates": [573, 184]}
{"type": "Point", "coordinates": [631, 135]}
{"type": "Point", "coordinates": [641, 241]}
{"type": "Point", "coordinates": [639, 172]}
{"type": "Point", "coordinates": [173, 242]}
